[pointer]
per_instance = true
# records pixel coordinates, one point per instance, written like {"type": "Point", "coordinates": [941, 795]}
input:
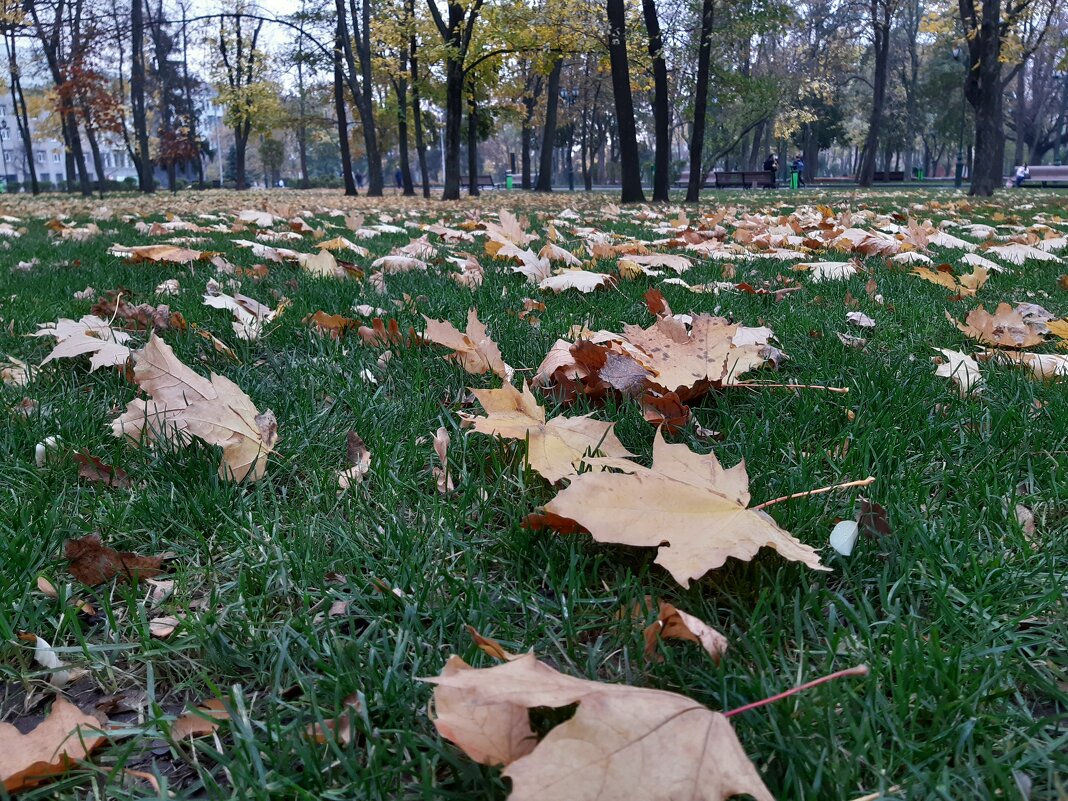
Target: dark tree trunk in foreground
{"type": "Point", "coordinates": [339, 110]}
{"type": "Point", "coordinates": [700, 104]}
{"type": "Point", "coordinates": [361, 88]}
{"type": "Point", "coordinates": [661, 114]}
{"type": "Point", "coordinates": [548, 138]}
{"type": "Point", "coordinates": [630, 168]}
{"type": "Point", "coordinates": [401, 87]}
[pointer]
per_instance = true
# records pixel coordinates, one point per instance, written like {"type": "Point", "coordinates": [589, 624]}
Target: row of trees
{"type": "Point", "coordinates": [696, 82]}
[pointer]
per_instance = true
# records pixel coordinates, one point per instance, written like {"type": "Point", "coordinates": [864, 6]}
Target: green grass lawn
{"type": "Point", "coordinates": [960, 615]}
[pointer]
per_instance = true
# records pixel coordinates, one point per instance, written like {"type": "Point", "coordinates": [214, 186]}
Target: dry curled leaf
{"type": "Point", "coordinates": [623, 743]}
{"type": "Point", "coordinates": [200, 721]}
{"type": "Point", "coordinates": [93, 469]}
{"type": "Point", "coordinates": [961, 368]}
{"type": "Point", "coordinates": [1006, 327]}
{"type": "Point", "coordinates": [358, 456]}
{"type": "Point", "coordinates": [92, 562]}
{"type": "Point", "coordinates": [686, 505]}
{"type": "Point", "coordinates": [674, 624]}
{"type": "Point", "coordinates": [341, 729]}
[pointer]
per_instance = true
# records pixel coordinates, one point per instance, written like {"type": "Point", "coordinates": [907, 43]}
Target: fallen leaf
{"type": "Point", "coordinates": [163, 627]}
{"type": "Point", "coordinates": [358, 456]}
{"type": "Point", "coordinates": [1006, 327]}
{"type": "Point", "coordinates": [333, 325]}
{"type": "Point", "coordinates": [489, 646]}
{"type": "Point", "coordinates": [442, 440]}
{"type": "Point", "coordinates": [341, 729]}
{"type": "Point", "coordinates": [844, 536]}
{"type": "Point", "coordinates": [88, 335]}
{"type": "Point", "coordinates": [93, 469]}
{"type": "Point", "coordinates": [873, 519]}
{"type": "Point", "coordinates": [183, 403]}
{"type": "Point", "coordinates": [622, 742]}
{"type": "Point", "coordinates": [674, 624]}
{"type": "Point", "coordinates": [665, 410]}
{"type": "Point", "coordinates": [582, 280]}
{"type": "Point", "coordinates": [92, 562]}
{"type": "Point", "coordinates": [686, 505]}
{"type": "Point", "coordinates": [554, 448]}
{"type": "Point", "coordinates": [17, 373]}
{"type": "Point", "coordinates": [200, 721]}
{"type": "Point", "coordinates": [64, 738]}
{"type": "Point", "coordinates": [474, 350]}
{"type": "Point", "coordinates": [962, 369]}
{"type": "Point", "coordinates": [860, 319]}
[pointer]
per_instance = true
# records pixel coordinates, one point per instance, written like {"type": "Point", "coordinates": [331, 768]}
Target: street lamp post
{"type": "Point", "coordinates": [958, 175]}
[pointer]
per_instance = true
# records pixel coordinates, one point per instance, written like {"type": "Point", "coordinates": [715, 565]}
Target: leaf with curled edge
{"type": "Point", "coordinates": [686, 505]}
{"type": "Point", "coordinates": [473, 349]}
{"type": "Point", "coordinates": [625, 743]}
{"type": "Point", "coordinates": [555, 448]}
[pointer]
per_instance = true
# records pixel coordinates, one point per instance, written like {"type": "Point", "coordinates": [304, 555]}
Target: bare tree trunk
{"type": "Point", "coordinates": [880, 21]}
{"type": "Point", "coordinates": [548, 137]}
{"type": "Point", "coordinates": [142, 159]}
{"type": "Point", "coordinates": [18, 102]}
{"type": "Point", "coordinates": [630, 166]}
{"type": "Point", "coordinates": [700, 104]}
{"type": "Point", "coordinates": [401, 88]}
{"type": "Point", "coordinates": [339, 110]}
{"type": "Point", "coordinates": [472, 145]}
{"type": "Point", "coordinates": [661, 112]}
{"type": "Point", "coordinates": [417, 111]}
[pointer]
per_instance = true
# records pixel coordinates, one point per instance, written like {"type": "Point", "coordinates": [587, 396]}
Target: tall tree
{"type": "Point", "coordinates": [456, 31]}
{"type": "Point", "coordinates": [661, 112]}
{"type": "Point", "coordinates": [361, 83]}
{"type": "Point", "coordinates": [700, 103]}
{"type": "Point", "coordinates": [417, 110]}
{"type": "Point", "coordinates": [548, 138]}
{"type": "Point", "coordinates": [991, 28]}
{"type": "Point", "coordinates": [141, 158]}
{"type": "Point", "coordinates": [630, 172]}
{"type": "Point", "coordinates": [242, 63]}
{"type": "Point", "coordinates": [339, 110]}
{"type": "Point", "coordinates": [11, 23]}
{"type": "Point", "coordinates": [880, 16]}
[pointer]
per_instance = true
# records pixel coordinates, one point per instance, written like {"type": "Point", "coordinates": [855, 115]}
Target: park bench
{"type": "Point", "coordinates": [883, 177]}
{"type": "Point", "coordinates": [684, 179]}
{"type": "Point", "coordinates": [1044, 175]}
{"type": "Point", "coordinates": [746, 179]}
{"type": "Point", "coordinates": [484, 182]}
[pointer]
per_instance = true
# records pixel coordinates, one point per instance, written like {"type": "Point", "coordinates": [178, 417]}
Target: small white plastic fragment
{"type": "Point", "coordinates": [844, 536]}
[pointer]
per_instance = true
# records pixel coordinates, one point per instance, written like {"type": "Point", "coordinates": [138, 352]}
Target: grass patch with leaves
{"type": "Point", "coordinates": [300, 603]}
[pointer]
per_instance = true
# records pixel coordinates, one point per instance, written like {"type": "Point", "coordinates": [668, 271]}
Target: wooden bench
{"type": "Point", "coordinates": [746, 179]}
{"type": "Point", "coordinates": [484, 182]}
{"type": "Point", "coordinates": [883, 177]}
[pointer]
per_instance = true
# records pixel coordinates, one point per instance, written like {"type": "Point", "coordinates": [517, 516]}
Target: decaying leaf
{"type": "Point", "coordinates": [489, 646]}
{"type": "Point", "coordinates": [250, 315]}
{"type": "Point", "coordinates": [92, 562]}
{"type": "Point", "coordinates": [93, 469]}
{"type": "Point", "coordinates": [341, 729]}
{"type": "Point", "coordinates": [674, 624]}
{"type": "Point", "coordinates": [64, 738]}
{"type": "Point", "coordinates": [474, 350]}
{"type": "Point", "coordinates": [1006, 327]}
{"type": "Point", "coordinates": [555, 448]}
{"type": "Point", "coordinates": [358, 456]}
{"type": "Point", "coordinates": [625, 743]}
{"type": "Point", "coordinates": [965, 286]}
{"type": "Point", "coordinates": [333, 325]}
{"type": "Point", "coordinates": [665, 410]}
{"type": "Point", "coordinates": [17, 373]}
{"type": "Point", "coordinates": [686, 505]}
{"type": "Point", "coordinates": [183, 404]}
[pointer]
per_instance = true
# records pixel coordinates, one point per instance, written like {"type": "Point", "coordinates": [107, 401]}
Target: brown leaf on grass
{"type": "Point", "coordinates": [546, 521]}
{"type": "Point", "coordinates": [665, 410]}
{"type": "Point", "coordinates": [965, 286]}
{"type": "Point", "coordinates": [164, 626]}
{"type": "Point", "coordinates": [92, 562]}
{"type": "Point", "coordinates": [381, 334]}
{"type": "Point", "coordinates": [873, 520]}
{"type": "Point", "coordinates": [674, 624]}
{"type": "Point", "coordinates": [961, 368]}
{"type": "Point", "coordinates": [689, 362]}
{"type": "Point", "coordinates": [656, 303]}
{"type": "Point", "coordinates": [1043, 366]}
{"type": "Point", "coordinates": [64, 738]}
{"type": "Point", "coordinates": [582, 280]}
{"type": "Point", "coordinates": [91, 468]}
{"type": "Point", "coordinates": [333, 325]}
{"type": "Point", "coordinates": [686, 505]}
{"type": "Point", "coordinates": [142, 317]}
{"type": "Point", "coordinates": [17, 373]}
{"type": "Point", "coordinates": [183, 404]}
{"type": "Point", "coordinates": [358, 456]}
{"type": "Point", "coordinates": [1059, 328]}
{"type": "Point", "coordinates": [554, 448]}
{"type": "Point", "coordinates": [341, 729]}
{"type": "Point", "coordinates": [471, 272]}
{"type": "Point", "coordinates": [201, 721]}
{"type": "Point", "coordinates": [1006, 327]}
{"type": "Point", "coordinates": [623, 743]}
{"type": "Point", "coordinates": [489, 646]}
{"type": "Point", "coordinates": [603, 367]}
{"type": "Point", "coordinates": [474, 350]}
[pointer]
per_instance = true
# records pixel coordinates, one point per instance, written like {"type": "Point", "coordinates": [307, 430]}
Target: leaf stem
{"type": "Point", "coordinates": [819, 491]}
{"type": "Point", "coordinates": [859, 670]}
{"type": "Point", "coordinates": [760, 385]}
